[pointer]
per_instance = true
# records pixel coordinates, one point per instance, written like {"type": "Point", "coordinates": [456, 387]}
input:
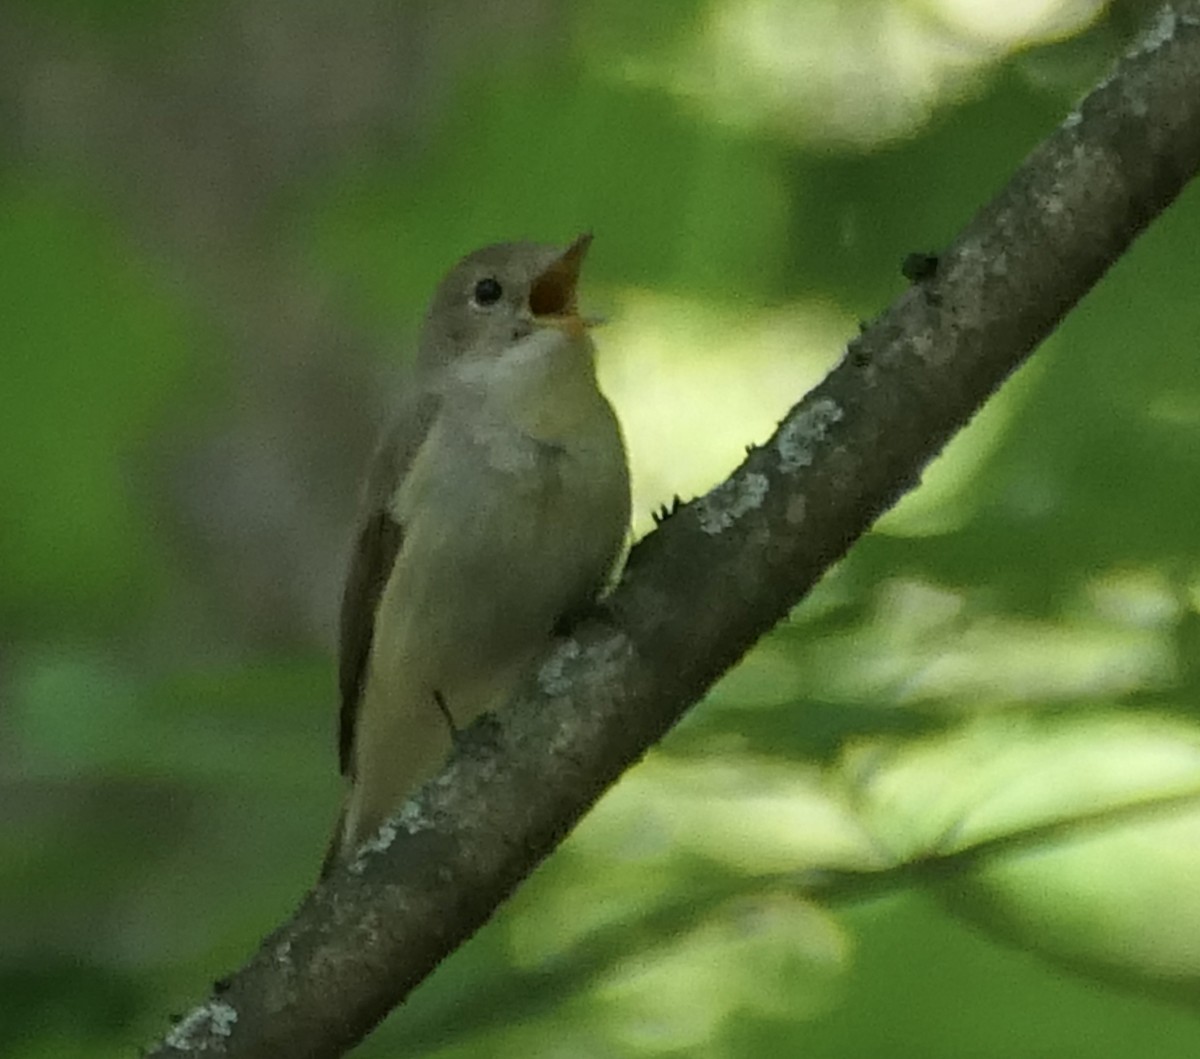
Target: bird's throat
{"type": "Point", "coordinates": [554, 401]}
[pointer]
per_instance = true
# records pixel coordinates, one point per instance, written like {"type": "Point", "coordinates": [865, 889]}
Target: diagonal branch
{"type": "Point", "coordinates": [723, 569]}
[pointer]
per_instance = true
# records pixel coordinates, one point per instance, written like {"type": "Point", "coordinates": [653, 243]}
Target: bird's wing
{"type": "Point", "coordinates": [378, 542]}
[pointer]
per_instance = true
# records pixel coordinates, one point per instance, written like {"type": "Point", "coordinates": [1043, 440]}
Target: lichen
{"type": "Point", "coordinates": [380, 841]}
{"type": "Point", "coordinates": [1161, 30]}
{"type": "Point", "coordinates": [721, 508]}
{"type": "Point", "coordinates": [800, 436]}
{"type": "Point", "coordinates": [206, 1028]}
{"type": "Point", "coordinates": [552, 677]}
{"type": "Point", "coordinates": [600, 658]}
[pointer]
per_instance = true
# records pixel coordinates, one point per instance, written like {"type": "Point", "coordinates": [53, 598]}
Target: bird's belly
{"type": "Point", "coordinates": [491, 559]}
{"type": "Point", "coordinates": [494, 562]}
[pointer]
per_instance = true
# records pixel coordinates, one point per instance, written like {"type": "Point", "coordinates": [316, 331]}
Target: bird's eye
{"type": "Point", "coordinates": [487, 292]}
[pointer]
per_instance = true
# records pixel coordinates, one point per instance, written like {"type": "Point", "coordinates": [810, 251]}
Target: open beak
{"type": "Point", "coordinates": [552, 296]}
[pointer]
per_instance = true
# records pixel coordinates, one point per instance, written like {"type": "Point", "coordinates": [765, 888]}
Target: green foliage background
{"type": "Point", "coordinates": [901, 827]}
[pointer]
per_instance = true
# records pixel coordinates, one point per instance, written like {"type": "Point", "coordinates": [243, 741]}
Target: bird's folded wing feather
{"type": "Point", "coordinates": [378, 542]}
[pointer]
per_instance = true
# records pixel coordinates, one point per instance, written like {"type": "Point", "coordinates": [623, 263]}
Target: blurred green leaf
{"type": "Point", "coordinates": [94, 352]}
{"type": "Point", "coordinates": [1101, 813]}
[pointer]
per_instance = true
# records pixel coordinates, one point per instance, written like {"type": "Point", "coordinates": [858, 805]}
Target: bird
{"type": "Point", "coordinates": [496, 506]}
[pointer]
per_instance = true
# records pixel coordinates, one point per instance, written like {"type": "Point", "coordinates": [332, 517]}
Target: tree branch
{"type": "Point", "coordinates": [721, 571]}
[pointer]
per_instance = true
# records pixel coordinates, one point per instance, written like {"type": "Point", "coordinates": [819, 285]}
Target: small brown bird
{"type": "Point", "coordinates": [497, 504]}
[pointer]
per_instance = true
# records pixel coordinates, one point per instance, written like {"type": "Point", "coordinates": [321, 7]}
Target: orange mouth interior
{"type": "Point", "coordinates": [552, 296]}
{"type": "Point", "coordinates": [553, 293]}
